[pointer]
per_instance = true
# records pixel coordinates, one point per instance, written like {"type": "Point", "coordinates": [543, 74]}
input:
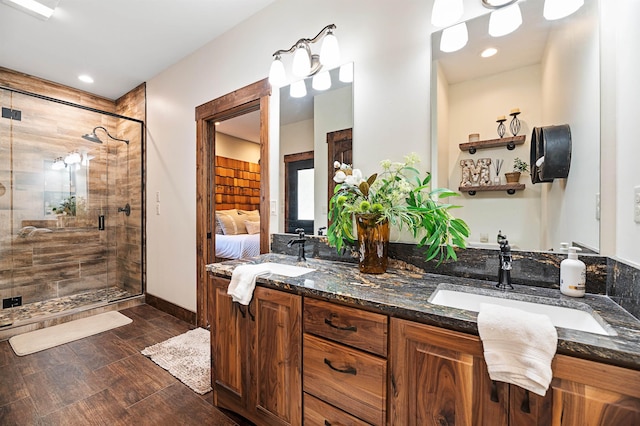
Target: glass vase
{"type": "Point", "coordinates": [373, 243]}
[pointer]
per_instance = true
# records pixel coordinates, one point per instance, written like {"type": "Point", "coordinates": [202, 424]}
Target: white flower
{"type": "Point", "coordinates": [336, 164]}
{"type": "Point", "coordinates": [355, 179]}
{"type": "Point", "coordinates": [344, 166]}
{"type": "Point", "coordinates": [339, 177]}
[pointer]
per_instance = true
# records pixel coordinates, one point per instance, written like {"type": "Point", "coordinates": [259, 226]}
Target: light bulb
{"type": "Point", "coordinates": [454, 38]}
{"type": "Point", "coordinates": [505, 21]}
{"type": "Point", "coordinates": [558, 9]}
{"type": "Point", "coordinates": [446, 12]}
{"type": "Point", "coordinates": [298, 89]}
{"type": "Point", "coordinates": [321, 81]}
{"type": "Point", "coordinates": [301, 61]}
{"type": "Point", "coordinates": [58, 164]}
{"type": "Point", "coordinates": [346, 73]}
{"type": "Point", "coordinates": [72, 158]}
{"type": "Point", "coordinates": [330, 52]}
{"type": "Point", "coordinates": [277, 74]}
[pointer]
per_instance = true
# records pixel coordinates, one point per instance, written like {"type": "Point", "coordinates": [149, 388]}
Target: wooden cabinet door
{"type": "Point", "coordinates": [228, 348]}
{"type": "Point", "coordinates": [587, 393]}
{"type": "Point", "coordinates": [438, 378]}
{"type": "Point", "coordinates": [276, 357]}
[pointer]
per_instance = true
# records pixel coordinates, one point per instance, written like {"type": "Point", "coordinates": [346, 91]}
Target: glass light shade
{"type": "Point", "coordinates": [454, 38]}
{"type": "Point", "coordinates": [277, 74]}
{"type": "Point", "coordinates": [446, 12]}
{"type": "Point", "coordinates": [330, 52]}
{"type": "Point", "coordinates": [321, 81]}
{"type": "Point", "coordinates": [346, 73]}
{"type": "Point", "coordinates": [58, 164]}
{"type": "Point", "coordinates": [301, 61]}
{"type": "Point", "coordinates": [558, 9]}
{"type": "Point", "coordinates": [34, 6]}
{"type": "Point", "coordinates": [298, 89]}
{"type": "Point", "coordinates": [72, 158]}
{"type": "Point", "coordinates": [505, 21]}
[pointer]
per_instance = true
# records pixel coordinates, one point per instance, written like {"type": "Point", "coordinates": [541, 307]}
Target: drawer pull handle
{"type": "Point", "coordinates": [348, 370]}
{"type": "Point", "coordinates": [242, 311]}
{"type": "Point", "coordinates": [347, 328]}
{"type": "Point", "coordinates": [525, 408]}
{"type": "Point", "coordinates": [327, 423]}
{"type": "Point", "coordinates": [494, 391]}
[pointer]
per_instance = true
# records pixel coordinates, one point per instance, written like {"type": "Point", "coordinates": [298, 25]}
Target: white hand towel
{"type": "Point", "coordinates": [518, 346]}
{"type": "Point", "coordinates": [243, 282]}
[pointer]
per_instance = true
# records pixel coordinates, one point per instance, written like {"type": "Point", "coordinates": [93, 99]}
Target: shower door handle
{"type": "Point", "coordinates": [101, 222]}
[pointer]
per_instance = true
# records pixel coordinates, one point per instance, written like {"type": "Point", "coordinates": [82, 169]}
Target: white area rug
{"type": "Point", "coordinates": [187, 357]}
{"type": "Point", "coordinates": [48, 337]}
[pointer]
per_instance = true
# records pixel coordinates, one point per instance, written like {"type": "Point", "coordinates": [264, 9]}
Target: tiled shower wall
{"type": "Point", "coordinates": [76, 257]}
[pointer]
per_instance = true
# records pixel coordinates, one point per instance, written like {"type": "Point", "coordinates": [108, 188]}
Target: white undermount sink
{"type": "Point", "coordinates": [560, 316]}
{"type": "Point", "coordinates": [286, 270]}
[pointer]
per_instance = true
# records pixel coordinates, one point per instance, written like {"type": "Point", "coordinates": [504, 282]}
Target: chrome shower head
{"type": "Point", "coordinates": [92, 137]}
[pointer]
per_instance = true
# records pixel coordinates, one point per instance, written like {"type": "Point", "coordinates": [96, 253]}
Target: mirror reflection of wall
{"type": "Point", "coordinates": [304, 125]}
{"type": "Point", "coordinates": [550, 71]}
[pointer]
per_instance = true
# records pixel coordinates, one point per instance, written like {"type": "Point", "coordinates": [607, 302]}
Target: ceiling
{"type": "Point", "coordinates": [120, 43]}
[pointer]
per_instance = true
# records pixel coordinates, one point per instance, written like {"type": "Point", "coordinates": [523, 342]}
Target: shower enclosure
{"type": "Point", "coordinates": [71, 207]}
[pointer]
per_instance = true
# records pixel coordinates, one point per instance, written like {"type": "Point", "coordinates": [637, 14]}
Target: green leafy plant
{"type": "Point", "coordinates": [67, 206]}
{"type": "Point", "coordinates": [520, 166]}
{"type": "Point", "coordinates": [400, 195]}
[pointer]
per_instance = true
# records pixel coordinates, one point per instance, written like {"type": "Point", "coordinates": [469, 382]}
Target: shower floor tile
{"type": "Point", "coordinates": [60, 305]}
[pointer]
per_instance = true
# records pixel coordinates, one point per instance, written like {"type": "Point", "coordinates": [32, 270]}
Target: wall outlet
{"type": "Point", "coordinates": [636, 204]}
{"type": "Point", "coordinates": [11, 302]}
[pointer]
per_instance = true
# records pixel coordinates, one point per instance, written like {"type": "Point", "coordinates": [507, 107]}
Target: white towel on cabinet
{"type": "Point", "coordinates": [243, 282]}
{"type": "Point", "coordinates": [518, 346]}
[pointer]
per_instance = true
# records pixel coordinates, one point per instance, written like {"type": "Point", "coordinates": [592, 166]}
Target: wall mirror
{"type": "Point", "coordinates": [550, 70]}
{"type": "Point", "coordinates": [305, 123]}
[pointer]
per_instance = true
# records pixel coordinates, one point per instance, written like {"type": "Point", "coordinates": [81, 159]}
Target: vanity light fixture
{"type": "Point", "coordinates": [446, 12]}
{"type": "Point", "coordinates": [321, 81]}
{"type": "Point", "coordinates": [505, 20]}
{"type": "Point", "coordinates": [558, 9]}
{"type": "Point", "coordinates": [58, 164]}
{"type": "Point", "coordinates": [298, 89]}
{"type": "Point", "coordinates": [73, 158]}
{"type": "Point", "coordinates": [305, 63]}
{"type": "Point", "coordinates": [454, 38]}
{"type": "Point", "coordinates": [346, 73]}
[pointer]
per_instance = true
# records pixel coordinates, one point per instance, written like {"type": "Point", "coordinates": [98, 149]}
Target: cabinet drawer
{"type": "Point", "coordinates": [319, 413]}
{"type": "Point", "coordinates": [354, 327]}
{"type": "Point", "coordinates": [347, 378]}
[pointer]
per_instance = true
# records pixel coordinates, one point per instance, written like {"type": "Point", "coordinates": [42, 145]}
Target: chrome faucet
{"type": "Point", "coordinates": [300, 242]}
{"type": "Point", "coordinates": [505, 259]}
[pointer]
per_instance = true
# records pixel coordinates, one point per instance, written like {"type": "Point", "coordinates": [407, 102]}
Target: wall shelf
{"type": "Point", "coordinates": [511, 188]}
{"type": "Point", "coordinates": [509, 142]}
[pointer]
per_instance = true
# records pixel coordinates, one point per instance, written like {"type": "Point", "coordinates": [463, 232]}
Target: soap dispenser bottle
{"type": "Point", "coordinates": [572, 274]}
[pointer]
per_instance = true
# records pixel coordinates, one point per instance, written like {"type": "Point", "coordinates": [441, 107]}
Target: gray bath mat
{"type": "Point", "coordinates": [45, 338]}
{"type": "Point", "coordinates": [187, 357]}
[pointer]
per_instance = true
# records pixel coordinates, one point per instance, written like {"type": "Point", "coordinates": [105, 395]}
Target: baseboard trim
{"type": "Point", "coordinates": [171, 309]}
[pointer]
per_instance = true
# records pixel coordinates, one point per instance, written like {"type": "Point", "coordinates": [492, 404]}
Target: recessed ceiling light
{"type": "Point", "coordinates": [85, 78]}
{"type": "Point", "coordinates": [41, 9]}
{"type": "Point", "coordinates": [487, 53]}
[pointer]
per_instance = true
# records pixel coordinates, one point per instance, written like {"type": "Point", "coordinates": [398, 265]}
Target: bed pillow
{"type": "Point", "coordinates": [230, 222]}
{"type": "Point", "coordinates": [253, 226]}
{"type": "Point", "coordinates": [253, 214]}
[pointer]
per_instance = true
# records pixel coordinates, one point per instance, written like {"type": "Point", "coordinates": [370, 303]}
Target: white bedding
{"type": "Point", "coordinates": [237, 246]}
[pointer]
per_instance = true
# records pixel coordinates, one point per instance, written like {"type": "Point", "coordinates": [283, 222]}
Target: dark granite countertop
{"type": "Point", "coordinates": [404, 293]}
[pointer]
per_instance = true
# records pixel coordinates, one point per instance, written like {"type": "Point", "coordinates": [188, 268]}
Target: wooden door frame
{"type": "Point", "coordinates": [250, 98]}
{"type": "Point", "coordinates": [333, 138]}
{"type": "Point", "coordinates": [291, 158]}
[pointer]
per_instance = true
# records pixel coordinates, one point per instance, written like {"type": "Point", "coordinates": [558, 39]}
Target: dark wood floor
{"type": "Point", "coordinates": [103, 380]}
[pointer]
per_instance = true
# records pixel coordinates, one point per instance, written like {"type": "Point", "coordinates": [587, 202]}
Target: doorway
{"type": "Point", "coordinates": [299, 194]}
{"type": "Point", "coordinates": [249, 99]}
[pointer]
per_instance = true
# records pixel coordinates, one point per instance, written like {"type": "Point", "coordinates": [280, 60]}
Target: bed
{"type": "Point", "coordinates": [237, 234]}
{"type": "Point", "coordinates": [237, 246]}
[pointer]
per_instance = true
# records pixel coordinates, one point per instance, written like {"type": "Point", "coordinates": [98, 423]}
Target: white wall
{"type": "Point", "coordinates": [236, 148]}
{"type": "Point", "coordinates": [474, 106]}
{"type": "Point", "coordinates": [628, 149]}
{"type": "Point", "coordinates": [389, 42]}
{"type": "Point", "coordinates": [574, 101]}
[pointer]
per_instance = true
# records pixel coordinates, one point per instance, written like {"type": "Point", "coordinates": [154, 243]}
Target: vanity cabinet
{"type": "Point", "coordinates": [439, 376]}
{"type": "Point", "coordinates": [345, 366]}
{"type": "Point", "coordinates": [256, 355]}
